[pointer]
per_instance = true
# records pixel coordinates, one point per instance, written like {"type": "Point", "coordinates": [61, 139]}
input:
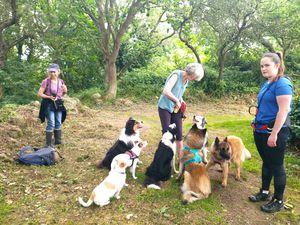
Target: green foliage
{"type": "Point", "coordinates": [20, 82]}
{"type": "Point", "coordinates": [209, 84]}
{"type": "Point", "coordinates": [141, 85]}
{"type": "Point", "coordinates": [86, 96]}
{"type": "Point", "coordinates": [295, 124]}
{"type": "Point", "coordinates": [7, 111]}
{"type": "Point", "coordinates": [4, 208]}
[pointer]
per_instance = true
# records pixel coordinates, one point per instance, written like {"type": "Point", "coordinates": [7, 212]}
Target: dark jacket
{"type": "Point", "coordinates": [43, 110]}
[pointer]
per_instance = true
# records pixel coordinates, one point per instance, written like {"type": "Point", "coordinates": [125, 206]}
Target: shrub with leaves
{"type": "Point", "coordinates": [295, 124]}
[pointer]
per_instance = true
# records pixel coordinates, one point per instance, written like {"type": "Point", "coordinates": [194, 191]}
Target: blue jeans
{"type": "Point", "coordinates": [53, 119]}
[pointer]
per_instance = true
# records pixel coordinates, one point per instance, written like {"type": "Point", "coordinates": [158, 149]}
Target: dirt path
{"type": "Point", "coordinates": [49, 196]}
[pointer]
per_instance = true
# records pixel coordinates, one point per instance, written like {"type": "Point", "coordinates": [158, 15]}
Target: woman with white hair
{"type": "Point", "coordinates": [170, 101]}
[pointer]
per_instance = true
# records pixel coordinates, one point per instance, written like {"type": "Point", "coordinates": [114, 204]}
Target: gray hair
{"type": "Point", "coordinates": [195, 69]}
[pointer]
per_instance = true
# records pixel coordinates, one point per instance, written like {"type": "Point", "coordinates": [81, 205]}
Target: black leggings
{"type": "Point", "coordinates": [167, 118]}
{"type": "Point", "coordinates": [273, 159]}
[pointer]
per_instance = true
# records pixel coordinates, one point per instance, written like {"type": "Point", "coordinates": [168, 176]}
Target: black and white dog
{"type": "Point", "coordinates": [161, 166]}
{"type": "Point", "coordinates": [129, 135]}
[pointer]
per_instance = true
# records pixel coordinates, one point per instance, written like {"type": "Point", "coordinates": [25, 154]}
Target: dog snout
{"type": "Point", "coordinates": [225, 155]}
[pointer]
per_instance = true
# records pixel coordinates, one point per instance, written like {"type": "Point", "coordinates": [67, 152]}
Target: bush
{"type": "Point", "coordinates": [7, 111]}
{"type": "Point", "coordinates": [20, 82]}
{"type": "Point", "coordinates": [141, 85]}
{"type": "Point", "coordinates": [86, 96]}
{"type": "Point", "coordinates": [295, 124]}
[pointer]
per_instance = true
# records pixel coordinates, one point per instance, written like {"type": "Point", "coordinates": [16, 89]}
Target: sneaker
{"type": "Point", "coordinates": [258, 197]}
{"type": "Point", "coordinates": [273, 206]}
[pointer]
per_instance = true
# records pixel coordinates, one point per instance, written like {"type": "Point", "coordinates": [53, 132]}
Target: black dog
{"type": "Point", "coordinates": [129, 135]}
{"type": "Point", "coordinates": [161, 166]}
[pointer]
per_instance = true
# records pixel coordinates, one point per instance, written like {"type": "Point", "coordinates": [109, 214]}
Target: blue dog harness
{"type": "Point", "coordinates": [196, 159]}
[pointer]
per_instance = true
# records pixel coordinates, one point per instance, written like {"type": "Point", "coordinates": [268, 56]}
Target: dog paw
{"type": "Point", "coordinates": [224, 184]}
{"type": "Point", "coordinates": [238, 179]}
{"type": "Point", "coordinates": [153, 186]}
{"type": "Point", "coordinates": [118, 197]}
{"type": "Point", "coordinates": [135, 178]}
{"type": "Point", "coordinates": [126, 185]}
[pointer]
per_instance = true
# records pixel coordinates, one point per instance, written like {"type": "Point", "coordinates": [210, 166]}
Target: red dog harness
{"type": "Point", "coordinates": [132, 156]}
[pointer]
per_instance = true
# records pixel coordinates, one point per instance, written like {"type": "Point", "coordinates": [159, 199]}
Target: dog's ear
{"type": "Point", "coordinates": [217, 141]}
{"type": "Point", "coordinates": [226, 139]}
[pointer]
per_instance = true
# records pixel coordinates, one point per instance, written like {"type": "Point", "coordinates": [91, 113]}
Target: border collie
{"type": "Point", "coordinates": [129, 135]}
{"type": "Point", "coordinates": [161, 166]}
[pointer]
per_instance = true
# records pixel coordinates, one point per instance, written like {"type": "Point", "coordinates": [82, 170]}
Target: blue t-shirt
{"type": "Point", "coordinates": [267, 103]}
{"type": "Point", "coordinates": [178, 90]}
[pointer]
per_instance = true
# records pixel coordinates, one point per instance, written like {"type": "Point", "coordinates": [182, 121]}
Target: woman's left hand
{"type": "Point", "coordinates": [272, 140]}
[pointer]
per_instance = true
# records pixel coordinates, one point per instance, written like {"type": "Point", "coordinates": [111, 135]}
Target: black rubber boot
{"type": "Point", "coordinates": [260, 196]}
{"type": "Point", "coordinates": [57, 137]}
{"type": "Point", "coordinates": [273, 206]}
{"type": "Point", "coordinates": [48, 139]}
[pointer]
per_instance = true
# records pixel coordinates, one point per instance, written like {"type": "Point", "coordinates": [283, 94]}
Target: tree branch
{"type": "Point", "coordinates": [186, 41]}
{"type": "Point", "coordinates": [13, 20]}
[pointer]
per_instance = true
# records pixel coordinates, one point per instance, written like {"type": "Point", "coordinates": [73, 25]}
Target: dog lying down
{"type": "Point", "coordinates": [161, 167]}
{"type": "Point", "coordinates": [111, 186]}
{"type": "Point", "coordinates": [231, 149]}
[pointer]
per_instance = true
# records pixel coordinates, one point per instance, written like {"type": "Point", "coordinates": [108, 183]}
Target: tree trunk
{"type": "Point", "coordinates": [3, 52]}
{"type": "Point", "coordinates": [221, 58]}
{"type": "Point", "coordinates": [111, 77]}
{"type": "Point", "coordinates": [20, 51]}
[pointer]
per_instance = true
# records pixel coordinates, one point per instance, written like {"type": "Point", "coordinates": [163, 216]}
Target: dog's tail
{"type": "Point", "coordinates": [246, 154]}
{"type": "Point", "coordinates": [88, 203]}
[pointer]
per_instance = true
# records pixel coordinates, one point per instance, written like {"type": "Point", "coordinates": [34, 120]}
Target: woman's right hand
{"type": "Point", "coordinates": [178, 104]}
{"type": "Point", "coordinates": [52, 98]}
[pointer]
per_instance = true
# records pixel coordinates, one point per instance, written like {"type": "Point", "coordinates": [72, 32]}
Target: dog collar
{"type": "Point", "coordinates": [219, 161]}
{"type": "Point", "coordinates": [196, 159]}
{"type": "Point", "coordinates": [121, 172]}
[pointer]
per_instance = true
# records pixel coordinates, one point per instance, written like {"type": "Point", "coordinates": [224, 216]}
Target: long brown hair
{"type": "Point", "coordinates": [277, 59]}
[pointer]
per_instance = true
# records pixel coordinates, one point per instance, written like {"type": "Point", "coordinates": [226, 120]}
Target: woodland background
{"type": "Point", "coordinates": [125, 49]}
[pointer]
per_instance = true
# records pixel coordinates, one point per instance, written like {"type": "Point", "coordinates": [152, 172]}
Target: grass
{"type": "Point", "coordinates": [48, 195]}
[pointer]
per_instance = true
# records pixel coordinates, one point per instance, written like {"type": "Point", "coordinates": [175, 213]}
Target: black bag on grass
{"type": "Point", "coordinates": [38, 156]}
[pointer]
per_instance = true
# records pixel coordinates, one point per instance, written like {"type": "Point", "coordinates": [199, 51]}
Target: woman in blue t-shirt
{"type": "Point", "coordinates": [170, 100]}
{"type": "Point", "coordinates": [271, 130]}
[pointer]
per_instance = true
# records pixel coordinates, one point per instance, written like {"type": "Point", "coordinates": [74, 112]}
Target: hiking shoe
{"type": "Point", "coordinates": [258, 197]}
{"type": "Point", "coordinates": [273, 206]}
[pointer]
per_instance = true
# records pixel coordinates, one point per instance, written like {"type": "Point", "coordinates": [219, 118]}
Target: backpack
{"type": "Point", "coordinates": [45, 156]}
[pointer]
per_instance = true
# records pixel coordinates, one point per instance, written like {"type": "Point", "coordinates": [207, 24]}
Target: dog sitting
{"type": "Point", "coordinates": [196, 183]}
{"type": "Point", "coordinates": [195, 144]}
{"type": "Point", "coordinates": [132, 156]}
{"type": "Point", "coordinates": [231, 149]}
{"type": "Point", "coordinates": [111, 186]}
{"type": "Point", "coordinates": [161, 167]}
{"type": "Point", "coordinates": [128, 136]}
